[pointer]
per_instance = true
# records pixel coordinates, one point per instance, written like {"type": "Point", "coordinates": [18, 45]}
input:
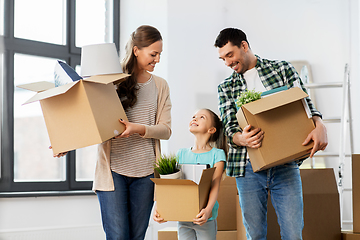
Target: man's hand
{"type": "Point", "coordinates": [318, 135]}
{"type": "Point", "coordinates": [249, 137]}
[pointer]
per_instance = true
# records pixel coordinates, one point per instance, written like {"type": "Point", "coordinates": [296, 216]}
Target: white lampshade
{"type": "Point", "coordinates": [99, 59]}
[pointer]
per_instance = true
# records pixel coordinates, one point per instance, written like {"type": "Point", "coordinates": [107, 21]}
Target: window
{"type": "Point", "coordinates": [35, 34]}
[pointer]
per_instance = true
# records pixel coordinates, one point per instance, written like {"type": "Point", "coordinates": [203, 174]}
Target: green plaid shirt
{"type": "Point", "coordinates": [273, 74]}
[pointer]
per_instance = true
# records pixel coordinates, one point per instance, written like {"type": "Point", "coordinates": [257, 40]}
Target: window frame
{"type": "Point", "coordinates": [68, 52]}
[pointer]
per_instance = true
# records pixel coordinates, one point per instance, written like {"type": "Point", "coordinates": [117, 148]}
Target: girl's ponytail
{"type": "Point", "coordinates": [218, 137]}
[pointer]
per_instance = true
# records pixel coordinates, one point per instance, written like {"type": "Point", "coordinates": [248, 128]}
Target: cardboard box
{"type": "Point", "coordinates": [321, 208]}
{"type": "Point", "coordinates": [226, 235]}
{"type": "Point", "coordinates": [350, 236]}
{"type": "Point", "coordinates": [226, 219]}
{"type": "Point", "coordinates": [182, 199]}
{"type": "Point", "coordinates": [356, 192]}
{"type": "Point", "coordinates": [169, 233]}
{"type": "Point", "coordinates": [81, 113]}
{"type": "Point", "coordinates": [241, 232]}
{"type": "Point", "coordinates": [285, 123]}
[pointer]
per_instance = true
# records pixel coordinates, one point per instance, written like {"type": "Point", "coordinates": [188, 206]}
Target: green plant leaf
{"type": "Point", "coordinates": [167, 164]}
{"type": "Point", "coordinates": [247, 96]}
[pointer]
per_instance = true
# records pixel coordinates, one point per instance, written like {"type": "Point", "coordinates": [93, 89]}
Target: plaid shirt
{"type": "Point", "coordinates": [273, 74]}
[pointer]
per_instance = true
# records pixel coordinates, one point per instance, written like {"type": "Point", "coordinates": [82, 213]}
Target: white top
{"type": "Point", "coordinates": [134, 156]}
{"type": "Point", "coordinates": [253, 81]}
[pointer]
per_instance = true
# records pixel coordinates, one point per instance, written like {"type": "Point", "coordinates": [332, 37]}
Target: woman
{"type": "Point", "coordinates": [125, 163]}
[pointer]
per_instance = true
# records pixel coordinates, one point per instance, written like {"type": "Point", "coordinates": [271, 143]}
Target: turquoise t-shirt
{"type": "Point", "coordinates": [211, 157]}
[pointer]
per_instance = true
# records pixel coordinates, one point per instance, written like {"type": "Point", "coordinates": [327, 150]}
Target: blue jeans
{"type": "Point", "coordinates": [125, 212]}
{"type": "Point", "coordinates": [191, 231]}
{"type": "Point", "coordinates": [284, 184]}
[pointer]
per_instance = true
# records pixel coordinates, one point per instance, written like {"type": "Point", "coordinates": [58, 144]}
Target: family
{"type": "Point", "coordinates": [125, 163]}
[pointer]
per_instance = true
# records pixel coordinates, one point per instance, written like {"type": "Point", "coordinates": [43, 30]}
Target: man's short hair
{"type": "Point", "coordinates": [233, 35]}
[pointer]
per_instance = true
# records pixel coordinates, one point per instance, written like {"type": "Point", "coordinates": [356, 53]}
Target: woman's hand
{"type": "Point", "coordinates": [157, 217]}
{"type": "Point", "coordinates": [202, 217]}
{"type": "Point", "coordinates": [59, 154]}
{"type": "Point", "coordinates": [130, 129]}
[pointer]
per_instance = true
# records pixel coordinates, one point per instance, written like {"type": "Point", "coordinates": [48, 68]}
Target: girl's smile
{"type": "Point", "coordinates": [201, 122]}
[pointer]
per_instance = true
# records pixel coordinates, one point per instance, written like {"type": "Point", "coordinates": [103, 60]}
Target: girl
{"type": "Point", "coordinates": [207, 129]}
{"type": "Point", "coordinates": [125, 163]}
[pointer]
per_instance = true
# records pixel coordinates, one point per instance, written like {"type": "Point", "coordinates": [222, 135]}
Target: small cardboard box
{"type": "Point", "coordinates": [182, 199]}
{"type": "Point", "coordinates": [356, 192]}
{"type": "Point", "coordinates": [226, 235]}
{"type": "Point", "coordinates": [285, 123]}
{"type": "Point", "coordinates": [81, 113]}
{"type": "Point", "coordinates": [168, 233]}
{"type": "Point", "coordinates": [321, 208]}
{"type": "Point", "coordinates": [226, 219]}
{"type": "Point", "coordinates": [350, 236]}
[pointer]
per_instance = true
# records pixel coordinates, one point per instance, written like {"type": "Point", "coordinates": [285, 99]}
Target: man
{"type": "Point", "coordinates": [283, 182]}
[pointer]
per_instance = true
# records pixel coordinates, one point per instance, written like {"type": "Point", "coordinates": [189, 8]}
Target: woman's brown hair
{"type": "Point", "coordinates": [142, 37]}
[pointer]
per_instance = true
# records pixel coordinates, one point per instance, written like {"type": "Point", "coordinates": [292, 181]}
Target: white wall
{"type": "Point", "coordinates": [323, 32]}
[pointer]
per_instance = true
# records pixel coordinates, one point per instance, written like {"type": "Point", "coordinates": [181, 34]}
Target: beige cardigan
{"type": "Point", "coordinates": [162, 130]}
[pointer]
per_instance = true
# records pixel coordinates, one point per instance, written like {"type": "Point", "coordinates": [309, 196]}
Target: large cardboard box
{"type": "Point", "coordinates": [356, 192]}
{"type": "Point", "coordinates": [81, 113]}
{"type": "Point", "coordinates": [350, 236]}
{"type": "Point", "coordinates": [241, 232]}
{"type": "Point", "coordinates": [283, 118]}
{"type": "Point", "coordinates": [226, 219]}
{"type": "Point", "coordinates": [321, 208]}
{"type": "Point", "coordinates": [182, 199]}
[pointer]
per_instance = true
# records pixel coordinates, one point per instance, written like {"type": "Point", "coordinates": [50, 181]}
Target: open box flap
{"type": "Point", "coordinates": [207, 175]}
{"type": "Point", "coordinates": [241, 119]}
{"type": "Point", "coordinates": [275, 100]}
{"type": "Point", "coordinates": [107, 78]}
{"type": "Point", "coordinates": [37, 86]}
{"type": "Point", "coordinates": [51, 92]}
{"type": "Point", "coordinates": [163, 181]}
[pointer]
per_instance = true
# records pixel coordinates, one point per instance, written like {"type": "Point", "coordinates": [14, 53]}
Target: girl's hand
{"type": "Point", "coordinates": [157, 217]}
{"type": "Point", "coordinates": [202, 217]}
{"type": "Point", "coordinates": [59, 154]}
{"type": "Point", "coordinates": [130, 129]}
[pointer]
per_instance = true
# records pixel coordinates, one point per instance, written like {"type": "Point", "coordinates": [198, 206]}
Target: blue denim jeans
{"type": "Point", "coordinates": [125, 212]}
{"type": "Point", "coordinates": [191, 231]}
{"type": "Point", "coordinates": [284, 184]}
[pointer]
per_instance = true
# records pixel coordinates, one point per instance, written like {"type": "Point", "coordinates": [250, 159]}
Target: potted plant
{"type": "Point", "coordinates": [246, 97]}
{"type": "Point", "coordinates": [168, 167]}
